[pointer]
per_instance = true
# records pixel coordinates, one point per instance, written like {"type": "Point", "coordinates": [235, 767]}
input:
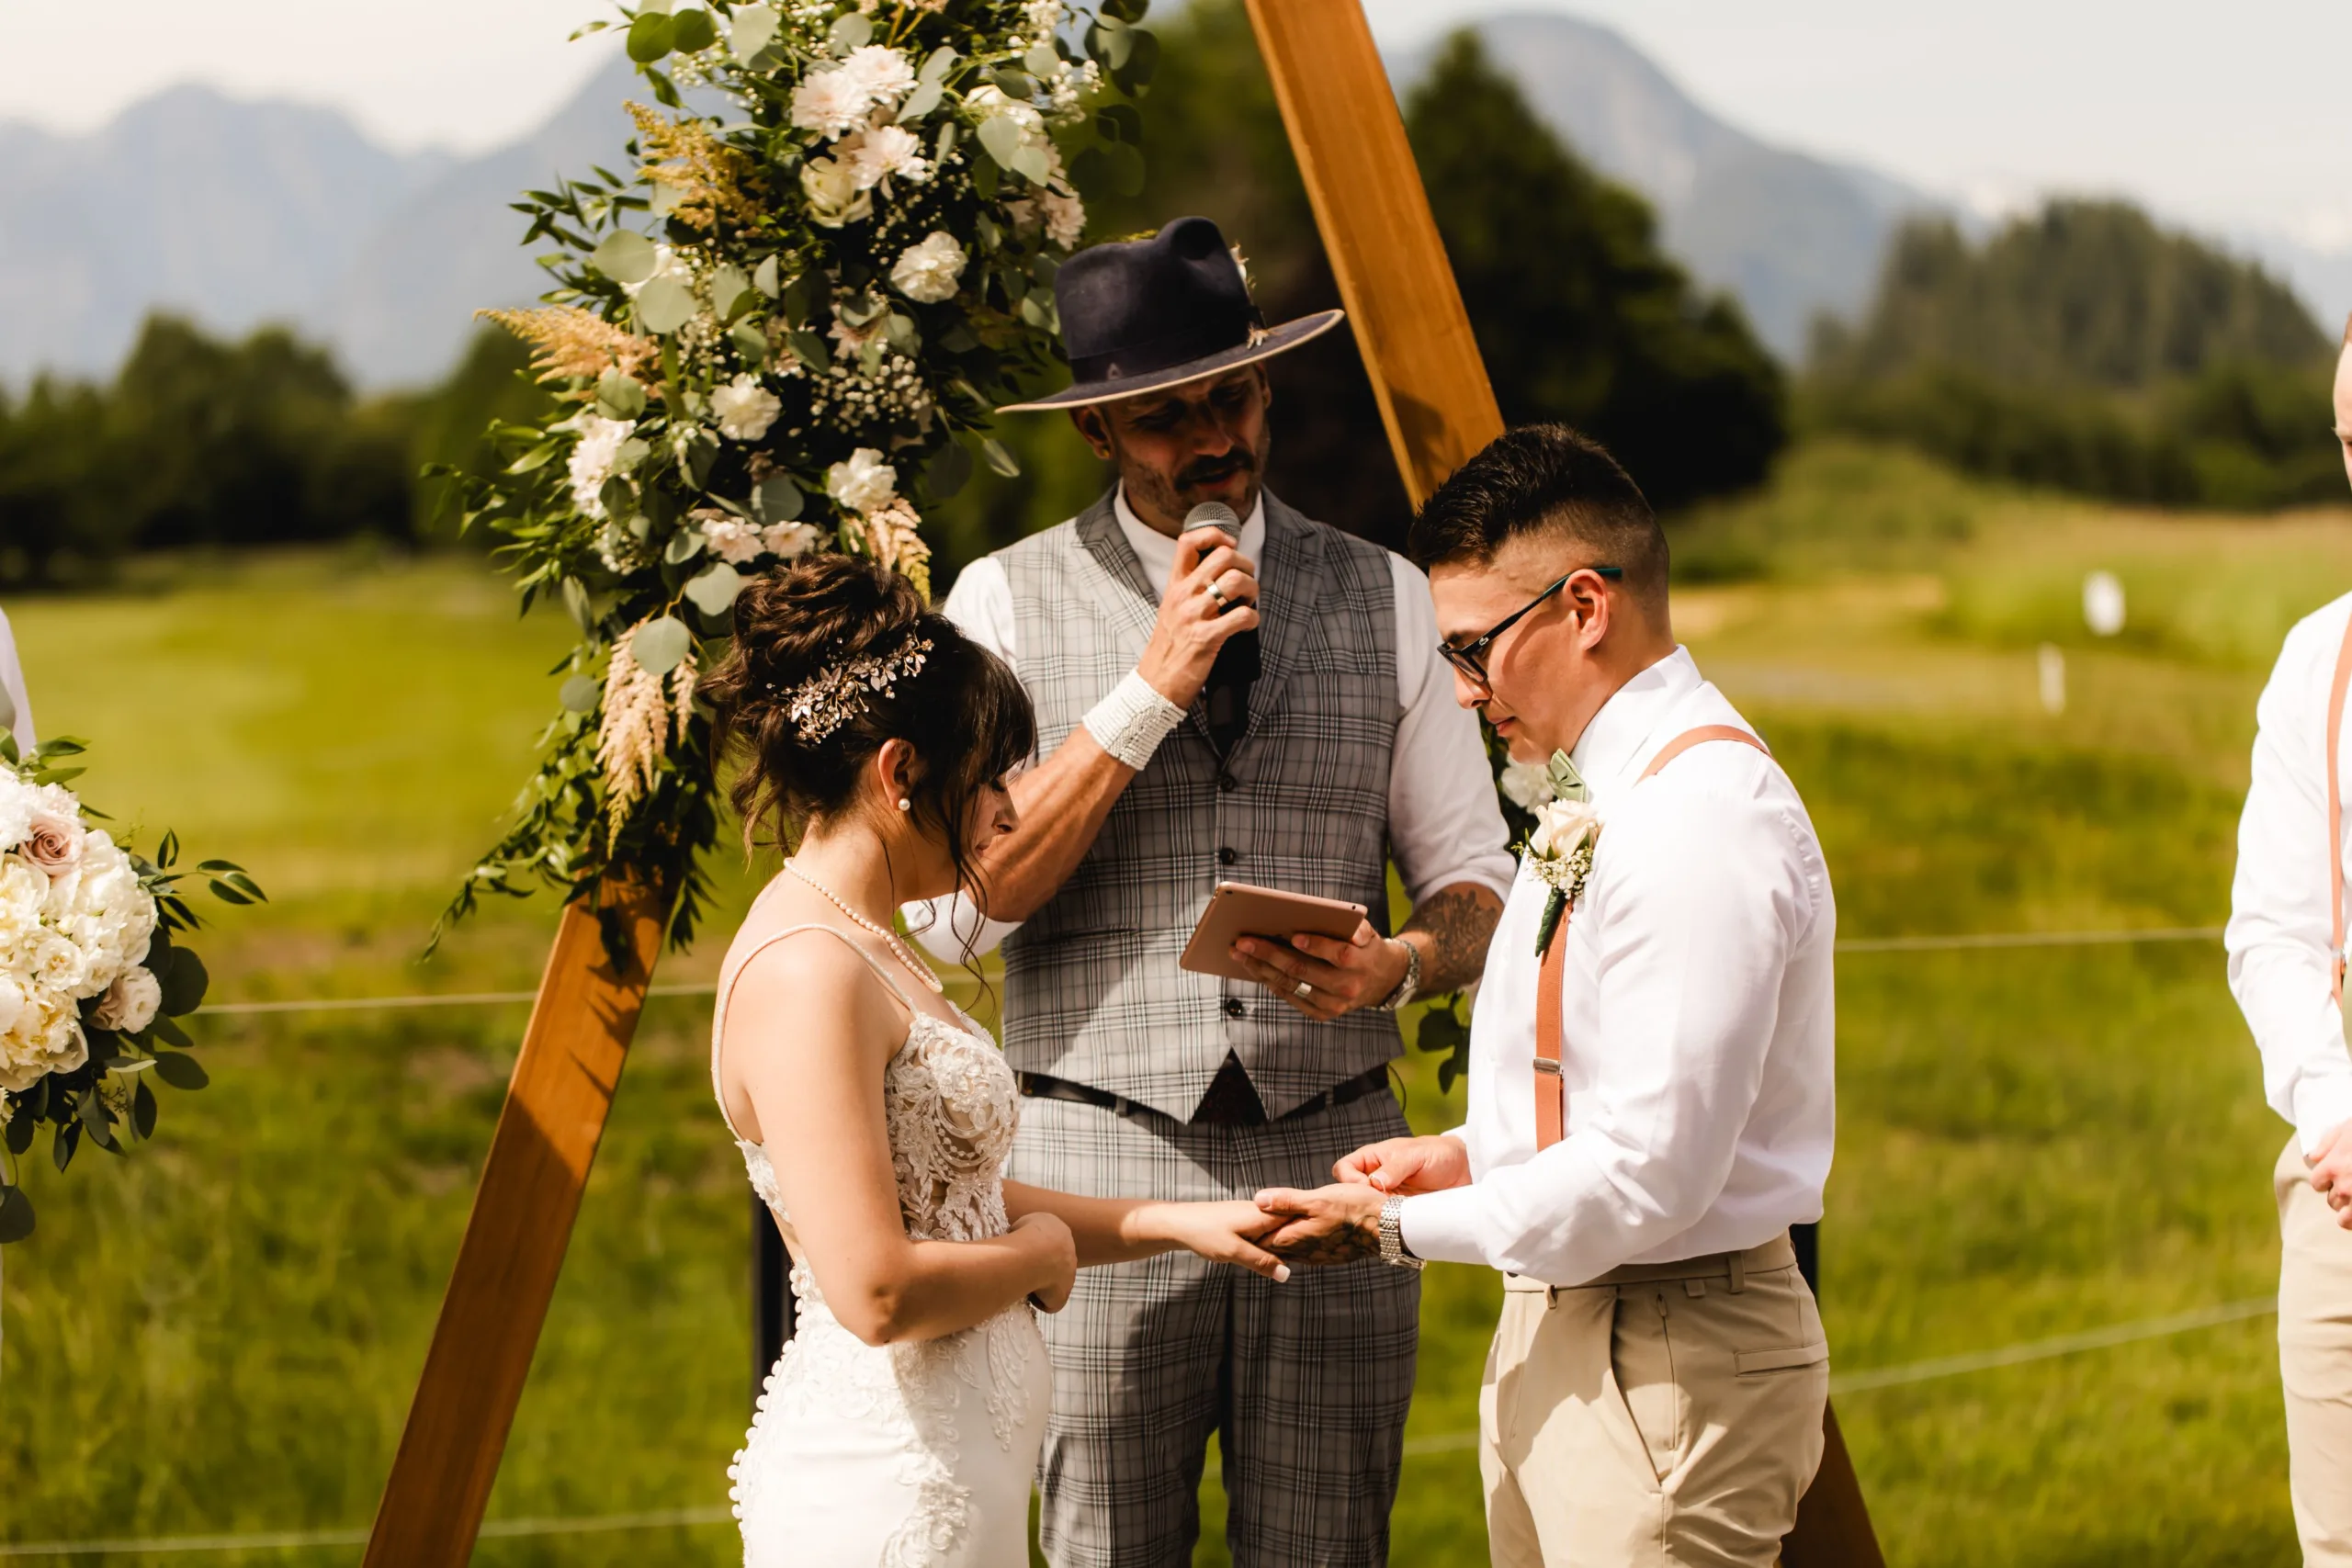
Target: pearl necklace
{"type": "Point", "coordinates": [920, 969]}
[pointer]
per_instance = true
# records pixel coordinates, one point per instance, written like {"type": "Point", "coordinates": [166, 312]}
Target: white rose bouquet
{"type": "Point", "coordinates": [91, 982]}
{"type": "Point", "coordinates": [781, 325]}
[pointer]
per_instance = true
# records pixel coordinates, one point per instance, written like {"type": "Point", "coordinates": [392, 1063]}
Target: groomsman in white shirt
{"type": "Point", "coordinates": [1650, 1104]}
{"type": "Point", "coordinates": [2286, 946]}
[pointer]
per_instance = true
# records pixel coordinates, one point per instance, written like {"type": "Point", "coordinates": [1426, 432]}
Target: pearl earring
{"type": "Point", "coordinates": [905, 804]}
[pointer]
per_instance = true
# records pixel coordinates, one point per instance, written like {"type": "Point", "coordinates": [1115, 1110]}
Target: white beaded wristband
{"type": "Point", "coordinates": [1133, 720]}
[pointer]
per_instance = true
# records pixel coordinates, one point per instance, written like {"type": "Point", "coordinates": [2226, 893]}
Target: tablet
{"type": "Point", "coordinates": [1237, 909]}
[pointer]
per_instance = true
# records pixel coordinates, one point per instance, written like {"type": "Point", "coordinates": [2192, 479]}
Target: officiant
{"type": "Point", "coordinates": [1265, 706]}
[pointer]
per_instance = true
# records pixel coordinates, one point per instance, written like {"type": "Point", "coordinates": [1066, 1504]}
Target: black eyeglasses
{"type": "Point", "coordinates": [1471, 657]}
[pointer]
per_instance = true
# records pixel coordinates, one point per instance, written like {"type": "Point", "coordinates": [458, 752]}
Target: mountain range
{"type": "Point", "coordinates": [238, 212]}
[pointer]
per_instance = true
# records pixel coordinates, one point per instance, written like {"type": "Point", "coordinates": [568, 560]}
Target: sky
{"type": "Point", "coordinates": [2228, 116]}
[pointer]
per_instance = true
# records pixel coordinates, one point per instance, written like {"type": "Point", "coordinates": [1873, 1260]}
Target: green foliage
{"type": "Point", "coordinates": [2086, 349]}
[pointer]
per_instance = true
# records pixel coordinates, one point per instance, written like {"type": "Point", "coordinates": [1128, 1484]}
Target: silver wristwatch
{"type": "Point", "coordinates": [1392, 1235]}
{"type": "Point", "coordinates": [1407, 987]}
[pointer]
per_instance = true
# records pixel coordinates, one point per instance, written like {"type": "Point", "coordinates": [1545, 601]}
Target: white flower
{"type": "Point", "coordinates": [879, 73]}
{"type": "Point", "coordinates": [745, 409]}
{"type": "Point", "coordinates": [884, 151]}
{"type": "Point", "coordinates": [1561, 827]}
{"type": "Point", "coordinates": [830, 102]}
{"type": "Point", "coordinates": [1065, 220]}
{"type": "Point", "coordinates": [130, 1002]}
{"type": "Point", "coordinates": [1527, 785]}
{"type": "Point", "coordinates": [17, 801]}
{"type": "Point", "coordinates": [990, 102]}
{"type": "Point", "coordinates": [834, 196]}
{"type": "Point", "coordinates": [865, 483]}
{"type": "Point", "coordinates": [1043, 17]}
{"type": "Point", "coordinates": [12, 1003]}
{"type": "Point", "coordinates": [593, 457]}
{"type": "Point", "coordinates": [786, 540]}
{"type": "Point", "coordinates": [56, 964]}
{"type": "Point", "coordinates": [732, 540]}
{"type": "Point", "coordinates": [47, 1038]}
{"type": "Point", "coordinates": [927, 272]}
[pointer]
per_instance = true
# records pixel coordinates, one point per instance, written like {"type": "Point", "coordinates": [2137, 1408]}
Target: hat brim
{"type": "Point", "coordinates": [1279, 340]}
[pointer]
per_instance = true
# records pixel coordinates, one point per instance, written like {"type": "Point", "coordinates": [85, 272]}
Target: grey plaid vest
{"type": "Point", "coordinates": [1092, 991]}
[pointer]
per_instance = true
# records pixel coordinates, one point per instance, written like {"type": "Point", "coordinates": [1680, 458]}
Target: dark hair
{"type": "Point", "coordinates": [1542, 478]}
{"type": "Point", "coordinates": [964, 713]}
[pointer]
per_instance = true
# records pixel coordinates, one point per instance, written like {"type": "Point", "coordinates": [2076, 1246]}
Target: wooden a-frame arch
{"type": "Point", "coordinates": [1438, 408]}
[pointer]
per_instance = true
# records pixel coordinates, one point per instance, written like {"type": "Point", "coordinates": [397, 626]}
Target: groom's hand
{"type": "Point", "coordinates": [1330, 1225]}
{"type": "Point", "coordinates": [1339, 976]}
{"type": "Point", "coordinates": [1407, 1164]}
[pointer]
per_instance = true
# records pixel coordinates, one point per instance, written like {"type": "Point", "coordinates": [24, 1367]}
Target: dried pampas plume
{"type": "Point", "coordinates": [567, 341]}
{"type": "Point", "coordinates": [709, 175]}
{"type": "Point", "coordinates": [891, 535]}
{"type": "Point", "coordinates": [632, 736]}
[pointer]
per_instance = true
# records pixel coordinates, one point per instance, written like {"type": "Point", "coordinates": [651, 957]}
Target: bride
{"type": "Point", "coordinates": [902, 1423]}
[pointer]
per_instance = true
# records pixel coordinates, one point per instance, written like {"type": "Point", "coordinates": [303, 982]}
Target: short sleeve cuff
{"type": "Point", "coordinates": [2322, 1103]}
{"type": "Point", "coordinates": [1133, 720]}
{"type": "Point", "coordinates": [1442, 1227]}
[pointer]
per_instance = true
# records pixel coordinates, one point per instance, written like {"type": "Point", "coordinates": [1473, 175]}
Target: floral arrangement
{"type": "Point", "coordinates": [91, 984]}
{"type": "Point", "coordinates": [784, 329]}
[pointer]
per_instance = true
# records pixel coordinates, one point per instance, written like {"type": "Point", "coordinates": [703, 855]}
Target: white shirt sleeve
{"type": "Point", "coordinates": [1687, 1004]}
{"type": "Point", "coordinates": [1445, 825]}
{"type": "Point", "coordinates": [981, 606]}
{"type": "Point", "coordinates": [2280, 928]}
{"type": "Point", "coordinates": [12, 681]}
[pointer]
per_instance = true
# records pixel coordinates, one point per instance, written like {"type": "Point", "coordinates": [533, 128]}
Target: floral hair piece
{"type": "Point", "coordinates": [830, 698]}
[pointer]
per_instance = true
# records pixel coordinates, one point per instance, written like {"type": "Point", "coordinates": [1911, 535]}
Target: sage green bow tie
{"type": "Point", "coordinates": [1567, 783]}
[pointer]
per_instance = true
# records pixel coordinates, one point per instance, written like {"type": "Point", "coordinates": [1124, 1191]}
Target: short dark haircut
{"type": "Point", "coordinates": [1544, 479]}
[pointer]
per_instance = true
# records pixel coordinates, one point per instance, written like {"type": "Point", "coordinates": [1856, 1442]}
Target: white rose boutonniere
{"type": "Point", "coordinates": [1559, 847]}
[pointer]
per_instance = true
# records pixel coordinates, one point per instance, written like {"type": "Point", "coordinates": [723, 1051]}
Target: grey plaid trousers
{"type": "Point", "coordinates": [1305, 1382]}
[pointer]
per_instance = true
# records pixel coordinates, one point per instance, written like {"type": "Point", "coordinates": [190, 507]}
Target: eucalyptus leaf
{"type": "Point", "coordinates": [730, 292]}
{"type": "Point", "coordinates": [665, 304]}
{"type": "Point", "coordinates": [580, 693]}
{"type": "Point", "coordinates": [1043, 59]}
{"type": "Point", "coordinates": [692, 32]}
{"type": "Point", "coordinates": [950, 471]}
{"type": "Point", "coordinates": [180, 1070]}
{"type": "Point", "coordinates": [764, 277]}
{"type": "Point", "coordinates": [938, 64]}
{"type": "Point", "coordinates": [15, 1215]}
{"type": "Point", "coordinates": [1126, 10]}
{"type": "Point", "coordinates": [537, 457]}
{"type": "Point", "coordinates": [854, 30]}
{"type": "Point", "coordinates": [809, 349]}
{"type": "Point", "coordinates": [900, 332]}
{"type": "Point", "coordinates": [1127, 168]}
{"type": "Point", "coordinates": [777, 500]}
{"type": "Point", "coordinates": [650, 37]}
{"type": "Point", "coordinates": [1033, 162]}
{"type": "Point", "coordinates": [142, 1108]}
{"type": "Point", "coordinates": [921, 102]}
{"type": "Point", "coordinates": [619, 396]}
{"type": "Point", "coordinates": [714, 589]}
{"type": "Point", "coordinates": [1091, 173]}
{"type": "Point", "coordinates": [750, 341]}
{"type": "Point", "coordinates": [1002, 461]}
{"type": "Point", "coordinates": [659, 644]}
{"type": "Point", "coordinates": [625, 256]}
{"type": "Point", "coordinates": [1118, 122]}
{"type": "Point", "coordinates": [183, 983]}
{"type": "Point", "coordinates": [750, 30]}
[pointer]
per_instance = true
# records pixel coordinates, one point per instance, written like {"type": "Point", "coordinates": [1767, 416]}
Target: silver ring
{"type": "Point", "coordinates": [1223, 603]}
{"type": "Point", "coordinates": [1302, 990]}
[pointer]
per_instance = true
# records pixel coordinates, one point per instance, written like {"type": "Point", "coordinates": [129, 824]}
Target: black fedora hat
{"type": "Point", "coordinates": [1144, 315]}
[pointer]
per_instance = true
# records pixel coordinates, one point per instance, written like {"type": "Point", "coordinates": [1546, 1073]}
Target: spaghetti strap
{"type": "Point", "coordinates": [734, 972]}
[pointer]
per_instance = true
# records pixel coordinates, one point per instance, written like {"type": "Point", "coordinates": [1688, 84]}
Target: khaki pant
{"type": "Point", "coordinates": [1664, 1416]}
{"type": "Point", "coordinates": [2315, 1361]}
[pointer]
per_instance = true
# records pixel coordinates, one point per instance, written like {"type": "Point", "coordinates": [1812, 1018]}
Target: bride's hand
{"type": "Point", "coordinates": [1225, 1233]}
{"type": "Point", "coordinates": [1046, 1235]}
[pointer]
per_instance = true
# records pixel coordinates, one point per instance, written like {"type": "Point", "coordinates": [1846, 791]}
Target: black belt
{"type": "Point", "coordinates": [1037, 1085]}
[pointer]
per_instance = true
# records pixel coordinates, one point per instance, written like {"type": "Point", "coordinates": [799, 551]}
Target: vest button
{"type": "Point", "coordinates": [1233, 1006]}
{"type": "Point", "coordinates": [1227, 783]}
{"type": "Point", "coordinates": [1229, 856]}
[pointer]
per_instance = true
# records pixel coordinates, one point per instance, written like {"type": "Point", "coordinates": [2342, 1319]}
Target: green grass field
{"type": "Point", "coordinates": [221, 1335]}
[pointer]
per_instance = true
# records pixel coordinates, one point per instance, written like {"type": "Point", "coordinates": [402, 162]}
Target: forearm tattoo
{"type": "Point", "coordinates": [1459, 921]}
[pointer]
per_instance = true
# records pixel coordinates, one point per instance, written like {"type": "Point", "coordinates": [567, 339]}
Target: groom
{"type": "Point", "coordinates": [1650, 1066]}
{"type": "Point", "coordinates": [1175, 756]}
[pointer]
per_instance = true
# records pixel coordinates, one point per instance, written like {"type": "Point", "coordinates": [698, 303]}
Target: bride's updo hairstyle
{"type": "Point", "coordinates": [798, 631]}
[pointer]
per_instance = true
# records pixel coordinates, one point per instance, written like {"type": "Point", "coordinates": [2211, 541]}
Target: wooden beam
{"type": "Point", "coordinates": [546, 1138]}
{"type": "Point", "coordinates": [1384, 246]}
{"type": "Point", "coordinates": [1415, 336]}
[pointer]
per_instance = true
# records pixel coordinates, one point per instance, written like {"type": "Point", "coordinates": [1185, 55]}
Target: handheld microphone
{"type": "Point", "coordinates": [1237, 667]}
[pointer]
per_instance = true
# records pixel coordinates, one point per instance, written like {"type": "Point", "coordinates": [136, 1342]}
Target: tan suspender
{"type": "Point", "coordinates": [2335, 811]}
{"type": "Point", "coordinates": [1551, 1095]}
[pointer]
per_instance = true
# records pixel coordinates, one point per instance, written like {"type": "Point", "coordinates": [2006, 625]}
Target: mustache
{"type": "Point", "coordinates": [1210, 471]}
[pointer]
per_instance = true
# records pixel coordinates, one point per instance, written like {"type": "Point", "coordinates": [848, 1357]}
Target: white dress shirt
{"type": "Point", "coordinates": [1443, 824]}
{"type": "Point", "coordinates": [1699, 1018]}
{"type": "Point", "coordinates": [2279, 929]}
{"type": "Point", "coordinates": [12, 681]}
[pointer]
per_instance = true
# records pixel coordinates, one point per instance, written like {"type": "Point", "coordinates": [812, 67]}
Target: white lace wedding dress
{"type": "Point", "coordinates": [902, 1456]}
